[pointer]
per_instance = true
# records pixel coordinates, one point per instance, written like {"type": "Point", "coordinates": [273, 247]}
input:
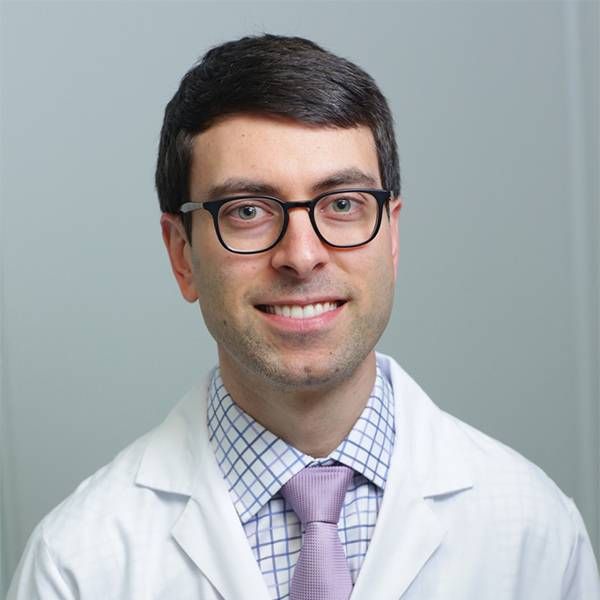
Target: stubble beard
{"type": "Point", "coordinates": [298, 369]}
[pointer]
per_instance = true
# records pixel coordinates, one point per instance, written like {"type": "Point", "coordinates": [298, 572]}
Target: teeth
{"type": "Point", "coordinates": [302, 312]}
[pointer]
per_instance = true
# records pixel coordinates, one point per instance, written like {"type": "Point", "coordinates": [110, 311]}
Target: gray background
{"type": "Point", "coordinates": [496, 312]}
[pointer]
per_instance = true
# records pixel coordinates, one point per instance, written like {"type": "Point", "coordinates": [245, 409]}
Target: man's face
{"type": "Point", "coordinates": [238, 293]}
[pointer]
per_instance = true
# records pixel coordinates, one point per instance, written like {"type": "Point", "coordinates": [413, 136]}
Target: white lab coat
{"type": "Point", "coordinates": [463, 518]}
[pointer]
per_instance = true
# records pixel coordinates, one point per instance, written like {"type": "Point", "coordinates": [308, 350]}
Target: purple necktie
{"type": "Point", "coordinates": [316, 494]}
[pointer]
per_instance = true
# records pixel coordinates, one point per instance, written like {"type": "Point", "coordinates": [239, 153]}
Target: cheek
{"type": "Point", "coordinates": [214, 300]}
{"type": "Point", "coordinates": [371, 271]}
{"type": "Point", "coordinates": [371, 262]}
{"type": "Point", "coordinates": [224, 283]}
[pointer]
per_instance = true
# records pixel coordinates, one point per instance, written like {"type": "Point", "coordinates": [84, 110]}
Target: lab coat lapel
{"type": "Point", "coordinates": [210, 532]}
{"type": "Point", "coordinates": [406, 535]}
{"type": "Point", "coordinates": [427, 462]}
{"type": "Point", "coordinates": [179, 460]}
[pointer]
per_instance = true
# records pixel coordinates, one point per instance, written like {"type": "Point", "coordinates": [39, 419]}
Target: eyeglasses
{"type": "Point", "coordinates": [250, 224]}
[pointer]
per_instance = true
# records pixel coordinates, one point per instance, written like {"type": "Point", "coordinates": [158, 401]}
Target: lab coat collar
{"type": "Point", "coordinates": [179, 460]}
{"type": "Point", "coordinates": [430, 445]}
{"type": "Point", "coordinates": [430, 460]}
{"type": "Point", "coordinates": [170, 460]}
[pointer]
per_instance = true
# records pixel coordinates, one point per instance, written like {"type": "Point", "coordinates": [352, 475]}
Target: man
{"type": "Point", "coordinates": [305, 466]}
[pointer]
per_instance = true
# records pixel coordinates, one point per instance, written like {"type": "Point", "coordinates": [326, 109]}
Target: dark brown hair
{"type": "Point", "coordinates": [269, 74]}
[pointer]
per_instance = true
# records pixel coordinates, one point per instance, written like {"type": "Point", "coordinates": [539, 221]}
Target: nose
{"type": "Point", "coordinates": [300, 252]}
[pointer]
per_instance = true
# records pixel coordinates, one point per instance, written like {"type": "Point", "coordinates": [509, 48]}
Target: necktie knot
{"type": "Point", "coordinates": [317, 493]}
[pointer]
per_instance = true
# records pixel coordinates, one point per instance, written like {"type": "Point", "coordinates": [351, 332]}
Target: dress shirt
{"type": "Point", "coordinates": [256, 463]}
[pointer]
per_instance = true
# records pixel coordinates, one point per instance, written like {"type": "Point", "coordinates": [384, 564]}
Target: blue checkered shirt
{"type": "Point", "coordinates": [256, 463]}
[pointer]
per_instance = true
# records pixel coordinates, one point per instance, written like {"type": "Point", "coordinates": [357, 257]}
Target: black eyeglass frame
{"type": "Point", "coordinates": [214, 206]}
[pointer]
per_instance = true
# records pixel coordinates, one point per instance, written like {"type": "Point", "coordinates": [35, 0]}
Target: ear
{"type": "Point", "coordinates": [179, 251]}
{"type": "Point", "coordinates": [395, 207]}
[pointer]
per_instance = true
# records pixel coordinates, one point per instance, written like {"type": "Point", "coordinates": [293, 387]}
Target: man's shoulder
{"type": "Point", "coordinates": [508, 476]}
{"type": "Point", "coordinates": [128, 506]}
{"type": "Point", "coordinates": [107, 495]}
{"type": "Point", "coordinates": [118, 500]}
{"type": "Point", "coordinates": [502, 515]}
{"type": "Point", "coordinates": [499, 475]}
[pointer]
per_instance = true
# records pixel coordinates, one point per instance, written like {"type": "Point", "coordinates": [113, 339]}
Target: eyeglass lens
{"type": "Point", "coordinates": [254, 224]}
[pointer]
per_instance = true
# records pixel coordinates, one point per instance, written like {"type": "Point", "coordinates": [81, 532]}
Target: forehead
{"type": "Point", "coordinates": [285, 154]}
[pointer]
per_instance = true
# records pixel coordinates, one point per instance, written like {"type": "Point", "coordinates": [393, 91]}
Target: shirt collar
{"type": "Point", "coordinates": [256, 463]}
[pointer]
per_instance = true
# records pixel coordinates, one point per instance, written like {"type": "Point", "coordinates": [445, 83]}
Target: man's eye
{"type": "Point", "coordinates": [342, 205]}
{"type": "Point", "coordinates": [247, 212]}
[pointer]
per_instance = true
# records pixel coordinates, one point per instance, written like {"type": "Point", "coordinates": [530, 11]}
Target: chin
{"type": "Point", "coordinates": [299, 371]}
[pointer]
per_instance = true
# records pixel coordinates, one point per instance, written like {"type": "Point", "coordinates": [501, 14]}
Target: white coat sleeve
{"type": "Point", "coordinates": [581, 580]}
{"type": "Point", "coordinates": [37, 576]}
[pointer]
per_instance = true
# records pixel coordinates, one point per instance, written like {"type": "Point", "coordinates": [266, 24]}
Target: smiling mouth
{"type": "Point", "coordinates": [296, 311]}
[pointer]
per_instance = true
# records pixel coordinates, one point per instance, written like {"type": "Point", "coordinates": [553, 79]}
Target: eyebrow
{"type": "Point", "coordinates": [243, 185]}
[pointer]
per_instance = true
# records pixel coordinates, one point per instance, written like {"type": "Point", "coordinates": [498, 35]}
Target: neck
{"type": "Point", "coordinates": [314, 421]}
